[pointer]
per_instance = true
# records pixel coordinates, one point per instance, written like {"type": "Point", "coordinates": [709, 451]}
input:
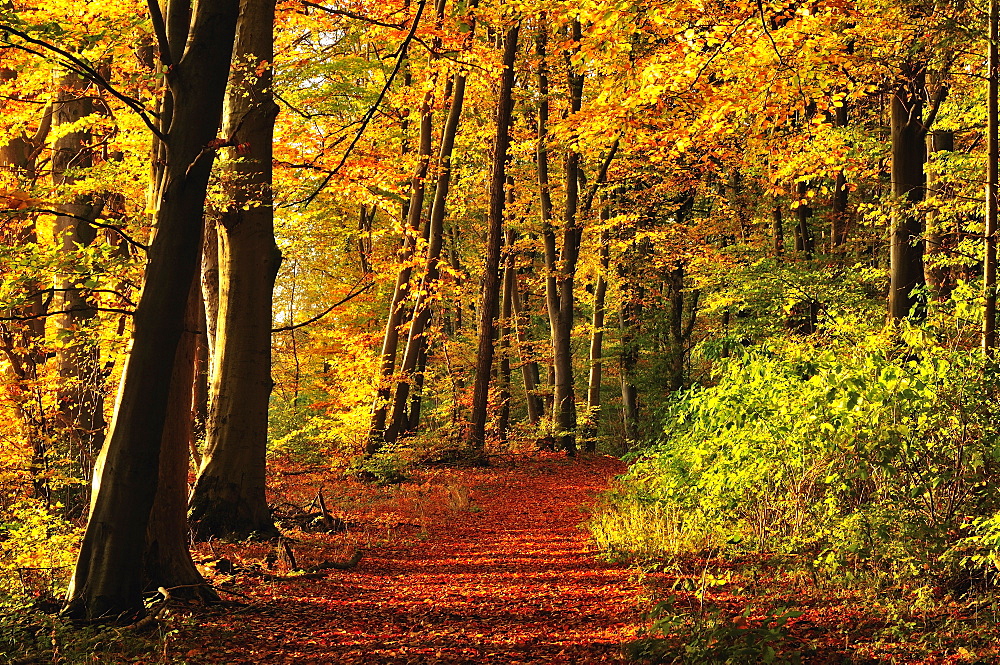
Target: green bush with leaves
{"type": "Point", "coordinates": [860, 451]}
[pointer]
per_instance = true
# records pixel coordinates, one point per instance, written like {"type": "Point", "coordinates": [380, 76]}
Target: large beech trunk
{"type": "Point", "coordinates": [494, 245]}
{"type": "Point", "coordinates": [228, 498]}
{"type": "Point", "coordinates": [80, 417]}
{"type": "Point", "coordinates": [167, 560]}
{"type": "Point", "coordinates": [108, 580]}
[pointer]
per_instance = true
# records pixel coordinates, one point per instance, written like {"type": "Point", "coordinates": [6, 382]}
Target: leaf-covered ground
{"type": "Point", "coordinates": [473, 565]}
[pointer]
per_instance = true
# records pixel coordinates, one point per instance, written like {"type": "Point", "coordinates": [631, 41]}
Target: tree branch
{"type": "Point", "coordinates": [329, 309]}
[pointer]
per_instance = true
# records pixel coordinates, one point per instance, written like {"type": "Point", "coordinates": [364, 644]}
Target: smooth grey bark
{"type": "Point", "coordinates": [229, 499]}
{"type": "Point", "coordinates": [108, 580]}
{"type": "Point", "coordinates": [494, 245]}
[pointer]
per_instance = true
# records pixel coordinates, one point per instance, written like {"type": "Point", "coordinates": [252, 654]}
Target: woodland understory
{"type": "Point", "coordinates": [488, 331]}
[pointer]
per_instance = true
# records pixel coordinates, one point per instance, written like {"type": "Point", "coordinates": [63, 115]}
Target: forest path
{"type": "Point", "coordinates": [474, 565]}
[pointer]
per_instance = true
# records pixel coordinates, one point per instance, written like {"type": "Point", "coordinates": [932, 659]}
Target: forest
{"type": "Point", "coordinates": [457, 331]}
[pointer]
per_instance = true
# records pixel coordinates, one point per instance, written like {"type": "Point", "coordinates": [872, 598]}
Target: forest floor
{"type": "Point", "coordinates": [486, 565]}
{"type": "Point", "coordinates": [495, 565]}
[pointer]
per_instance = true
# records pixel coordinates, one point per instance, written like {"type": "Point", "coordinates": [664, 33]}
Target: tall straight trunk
{"type": "Point", "coordinates": [629, 356]}
{"type": "Point", "coordinates": [167, 560]}
{"type": "Point", "coordinates": [529, 366]}
{"type": "Point", "coordinates": [838, 213]}
{"type": "Point", "coordinates": [413, 213]}
{"type": "Point", "coordinates": [938, 243]}
{"type": "Point", "coordinates": [506, 329]}
{"type": "Point", "coordinates": [777, 231]}
{"type": "Point", "coordinates": [494, 244]}
{"type": "Point", "coordinates": [210, 280]}
{"type": "Point", "coordinates": [80, 417]}
{"type": "Point", "coordinates": [597, 340]}
{"type": "Point", "coordinates": [993, 170]}
{"type": "Point", "coordinates": [402, 412]}
{"type": "Point", "coordinates": [804, 238]}
{"type": "Point", "coordinates": [228, 498]}
{"type": "Point", "coordinates": [912, 114]}
{"type": "Point", "coordinates": [561, 267]}
{"type": "Point", "coordinates": [108, 580]}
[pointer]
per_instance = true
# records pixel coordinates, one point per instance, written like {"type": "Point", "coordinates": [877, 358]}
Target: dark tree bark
{"type": "Point", "coordinates": [167, 560]}
{"type": "Point", "coordinates": [839, 215]}
{"type": "Point", "coordinates": [494, 245]}
{"type": "Point", "coordinates": [108, 578]}
{"type": "Point", "coordinates": [228, 498]}
{"type": "Point", "coordinates": [989, 340]}
{"type": "Point", "coordinates": [909, 126]}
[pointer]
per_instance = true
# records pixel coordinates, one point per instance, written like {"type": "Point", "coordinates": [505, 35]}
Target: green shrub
{"type": "Point", "coordinates": [860, 452]}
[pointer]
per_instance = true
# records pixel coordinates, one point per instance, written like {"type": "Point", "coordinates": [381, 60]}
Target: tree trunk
{"type": "Point", "coordinates": [402, 413]}
{"type": "Point", "coordinates": [597, 339]}
{"type": "Point", "coordinates": [107, 580]}
{"type": "Point", "coordinates": [494, 245]}
{"type": "Point", "coordinates": [838, 213]}
{"type": "Point", "coordinates": [777, 231]}
{"type": "Point", "coordinates": [629, 323]}
{"type": "Point", "coordinates": [938, 241]}
{"type": "Point", "coordinates": [228, 498]}
{"type": "Point", "coordinates": [167, 560]}
{"type": "Point", "coordinates": [906, 256]}
{"type": "Point", "coordinates": [80, 416]}
{"type": "Point", "coordinates": [804, 239]}
{"type": "Point", "coordinates": [397, 308]}
{"type": "Point", "coordinates": [993, 170]}
{"type": "Point", "coordinates": [529, 366]}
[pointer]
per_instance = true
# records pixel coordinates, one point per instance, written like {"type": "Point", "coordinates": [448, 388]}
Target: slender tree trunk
{"type": "Point", "coordinates": [803, 212]}
{"type": "Point", "coordinates": [559, 284]}
{"type": "Point", "coordinates": [597, 340]}
{"type": "Point", "coordinates": [628, 323]}
{"type": "Point", "coordinates": [108, 579]}
{"type": "Point", "coordinates": [937, 243]}
{"type": "Point", "coordinates": [228, 498]}
{"type": "Point", "coordinates": [397, 308]}
{"type": "Point", "coordinates": [777, 231]}
{"type": "Point", "coordinates": [506, 328]}
{"type": "Point", "coordinates": [529, 366]}
{"type": "Point", "coordinates": [993, 170]}
{"type": "Point", "coordinates": [401, 417]}
{"type": "Point", "coordinates": [80, 416]}
{"type": "Point", "coordinates": [838, 214]}
{"type": "Point", "coordinates": [494, 245]}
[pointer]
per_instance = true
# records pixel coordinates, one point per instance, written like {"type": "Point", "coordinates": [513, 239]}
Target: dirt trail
{"type": "Point", "coordinates": [505, 576]}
